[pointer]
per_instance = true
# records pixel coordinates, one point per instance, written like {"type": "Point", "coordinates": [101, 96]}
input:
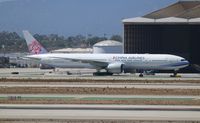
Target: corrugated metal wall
{"type": "Point", "coordinates": [181, 39]}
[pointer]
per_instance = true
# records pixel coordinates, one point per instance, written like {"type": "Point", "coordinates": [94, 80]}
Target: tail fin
{"type": "Point", "coordinates": [34, 46]}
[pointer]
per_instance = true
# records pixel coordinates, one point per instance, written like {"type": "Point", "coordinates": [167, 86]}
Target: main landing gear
{"type": "Point", "coordinates": [147, 72]}
{"type": "Point", "coordinates": [98, 73]}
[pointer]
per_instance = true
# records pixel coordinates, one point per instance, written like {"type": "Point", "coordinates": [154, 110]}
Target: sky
{"type": "Point", "coordinates": [73, 17]}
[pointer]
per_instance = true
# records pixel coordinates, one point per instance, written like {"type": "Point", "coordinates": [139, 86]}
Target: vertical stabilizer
{"type": "Point", "coordinates": [34, 46]}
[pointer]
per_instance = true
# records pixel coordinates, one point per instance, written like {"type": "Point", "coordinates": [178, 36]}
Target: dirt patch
{"type": "Point", "coordinates": [111, 91]}
{"type": "Point", "coordinates": [121, 102]}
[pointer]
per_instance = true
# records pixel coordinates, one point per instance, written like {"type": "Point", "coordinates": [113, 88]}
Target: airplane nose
{"type": "Point", "coordinates": [187, 62]}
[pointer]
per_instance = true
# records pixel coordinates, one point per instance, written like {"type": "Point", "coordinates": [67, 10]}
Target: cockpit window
{"type": "Point", "coordinates": [183, 60]}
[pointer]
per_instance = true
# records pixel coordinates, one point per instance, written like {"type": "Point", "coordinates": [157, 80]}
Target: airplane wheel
{"type": "Point", "coordinates": [102, 74]}
{"type": "Point", "coordinates": [141, 75]}
{"type": "Point", "coordinates": [175, 74]}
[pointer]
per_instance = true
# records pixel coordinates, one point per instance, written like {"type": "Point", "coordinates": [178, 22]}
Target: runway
{"type": "Point", "coordinates": [104, 85]}
{"type": "Point", "coordinates": [101, 112]}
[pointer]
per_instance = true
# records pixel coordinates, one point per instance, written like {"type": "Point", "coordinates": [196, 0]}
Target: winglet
{"type": "Point", "coordinates": [34, 46]}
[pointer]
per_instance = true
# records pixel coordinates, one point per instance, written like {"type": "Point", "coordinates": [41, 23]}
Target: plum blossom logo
{"type": "Point", "coordinates": [35, 47]}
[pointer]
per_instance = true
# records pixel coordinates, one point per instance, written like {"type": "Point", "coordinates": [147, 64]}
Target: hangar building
{"type": "Point", "coordinates": [171, 30]}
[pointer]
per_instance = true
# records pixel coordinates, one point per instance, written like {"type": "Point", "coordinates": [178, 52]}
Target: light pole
{"type": "Point", "coordinates": [104, 35]}
{"type": "Point", "coordinates": [3, 47]}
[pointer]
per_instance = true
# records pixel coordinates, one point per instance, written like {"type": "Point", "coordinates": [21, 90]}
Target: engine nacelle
{"type": "Point", "coordinates": [115, 68]}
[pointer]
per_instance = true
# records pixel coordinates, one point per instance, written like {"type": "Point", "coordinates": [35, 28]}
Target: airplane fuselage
{"type": "Point", "coordinates": [131, 61]}
{"type": "Point", "coordinates": [113, 63]}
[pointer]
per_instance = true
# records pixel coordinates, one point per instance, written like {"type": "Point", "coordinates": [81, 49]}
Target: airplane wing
{"type": "Point", "coordinates": [97, 63]}
{"type": "Point", "coordinates": [30, 58]}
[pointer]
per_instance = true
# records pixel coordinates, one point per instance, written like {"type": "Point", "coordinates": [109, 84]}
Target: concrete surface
{"type": "Point", "coordinates": [105, 112]}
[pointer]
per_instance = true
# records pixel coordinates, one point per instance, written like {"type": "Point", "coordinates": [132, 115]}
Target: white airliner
{"type": "Point", "coordinates": [112, 63]}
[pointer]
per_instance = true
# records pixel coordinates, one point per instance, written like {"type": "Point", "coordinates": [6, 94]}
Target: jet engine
{"type": "Point", "coordinates": [115, 68]}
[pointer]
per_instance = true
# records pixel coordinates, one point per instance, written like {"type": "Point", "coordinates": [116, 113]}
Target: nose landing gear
{"type": "Point", "coordinates": [175, 74]}
{"type": "Point", "coordinates": [141, 75]}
